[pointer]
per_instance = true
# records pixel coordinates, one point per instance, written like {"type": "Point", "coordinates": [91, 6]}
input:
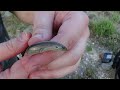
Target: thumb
{"type": "Point", "coordinates": [42, 28]}
{"type": "Point", "coordinates": [14, 46]}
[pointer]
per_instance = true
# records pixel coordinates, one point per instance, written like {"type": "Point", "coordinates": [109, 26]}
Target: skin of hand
{"type": "Point", "coordinates": [10, 49]}
{"type": "Point", "coordinates": [69, 28]}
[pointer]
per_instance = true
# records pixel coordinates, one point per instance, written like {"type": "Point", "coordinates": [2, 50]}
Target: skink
{"type": "Point", "coordinates": [45, 46]}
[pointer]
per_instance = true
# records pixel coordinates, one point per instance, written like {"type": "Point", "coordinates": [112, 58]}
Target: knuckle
{"type": "Point", "coordinates": [70, 43]}
{"type": "Point", "coordinates": [83, 15]}
{"type": "Point", "coordinates": [10, 46]}
{"type": "Point", "coordinates": [87, 31]}
{"type": "Point", "coordinates": [74, 61]}
{"type": "Point", "coordinates": [41, 26]}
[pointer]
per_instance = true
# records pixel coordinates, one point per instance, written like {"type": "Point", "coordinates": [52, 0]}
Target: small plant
{"type": "Point", "coordinates": [115, 17]}
{"type": "Point", "coordinates": [90, 73]}
{"type": "Point", "coordinates": [102, 27]}
{"type": "Point", "coordinates": [88, 48]}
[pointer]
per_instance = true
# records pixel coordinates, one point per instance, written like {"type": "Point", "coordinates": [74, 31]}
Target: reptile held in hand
{"type": "Point", "coordinates": [45, 46]}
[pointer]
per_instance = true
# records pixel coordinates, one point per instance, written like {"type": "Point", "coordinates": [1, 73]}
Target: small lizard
{"type": "Point", "coordinates": [45, 46]}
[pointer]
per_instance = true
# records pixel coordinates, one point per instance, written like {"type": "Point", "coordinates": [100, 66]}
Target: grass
{"type": "Point", "coordinates": [104, 30]}
{"type": "Point", "coordinates": [102, 27]}
{"type": "Point", "coordinates": [115, 17]}
{"type": "Point", "coordinates": [89, 73]}
{"type": "Point", "coordinates": [89, 48]}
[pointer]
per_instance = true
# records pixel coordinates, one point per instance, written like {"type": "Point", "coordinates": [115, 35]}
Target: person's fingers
{"type": "Point", "coordinates": [40, 60]}
{"type": "Point", "coordinates": [13, 47]}
{"type": "Point", "coordinates": [17, 71]}
{"type": "Point", "coordinates": [73, 34]}
{"type": "Point", "coordinates": [69, 34]}
{"type": "Point", "coordinates": [72, 56]}
{"type": "Point", "coordinates": [42, 29]}
{"type": "Point", "coordinates": [57, 73]}
{"type": "Point", "coordinates": [73, 25]}
{"type": "Point", "coordinates": [68, 59]}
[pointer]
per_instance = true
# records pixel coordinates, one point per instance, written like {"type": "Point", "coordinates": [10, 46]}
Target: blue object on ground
{"type": "Point", "coordinates": [107, 57]}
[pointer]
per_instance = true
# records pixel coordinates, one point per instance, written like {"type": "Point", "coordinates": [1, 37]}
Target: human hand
{"type": "Point", "coordinates": [10, 49]}
{"type": "Point", "coordinates": [20, 69]}
{"type": "Point", "coordinates": [69, 28]}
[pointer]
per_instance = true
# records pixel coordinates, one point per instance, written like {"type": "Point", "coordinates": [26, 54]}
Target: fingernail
{"type": "Point", "coordinates": [35, 38]}
{"type": "Point", "coordinates": [38, 36]}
